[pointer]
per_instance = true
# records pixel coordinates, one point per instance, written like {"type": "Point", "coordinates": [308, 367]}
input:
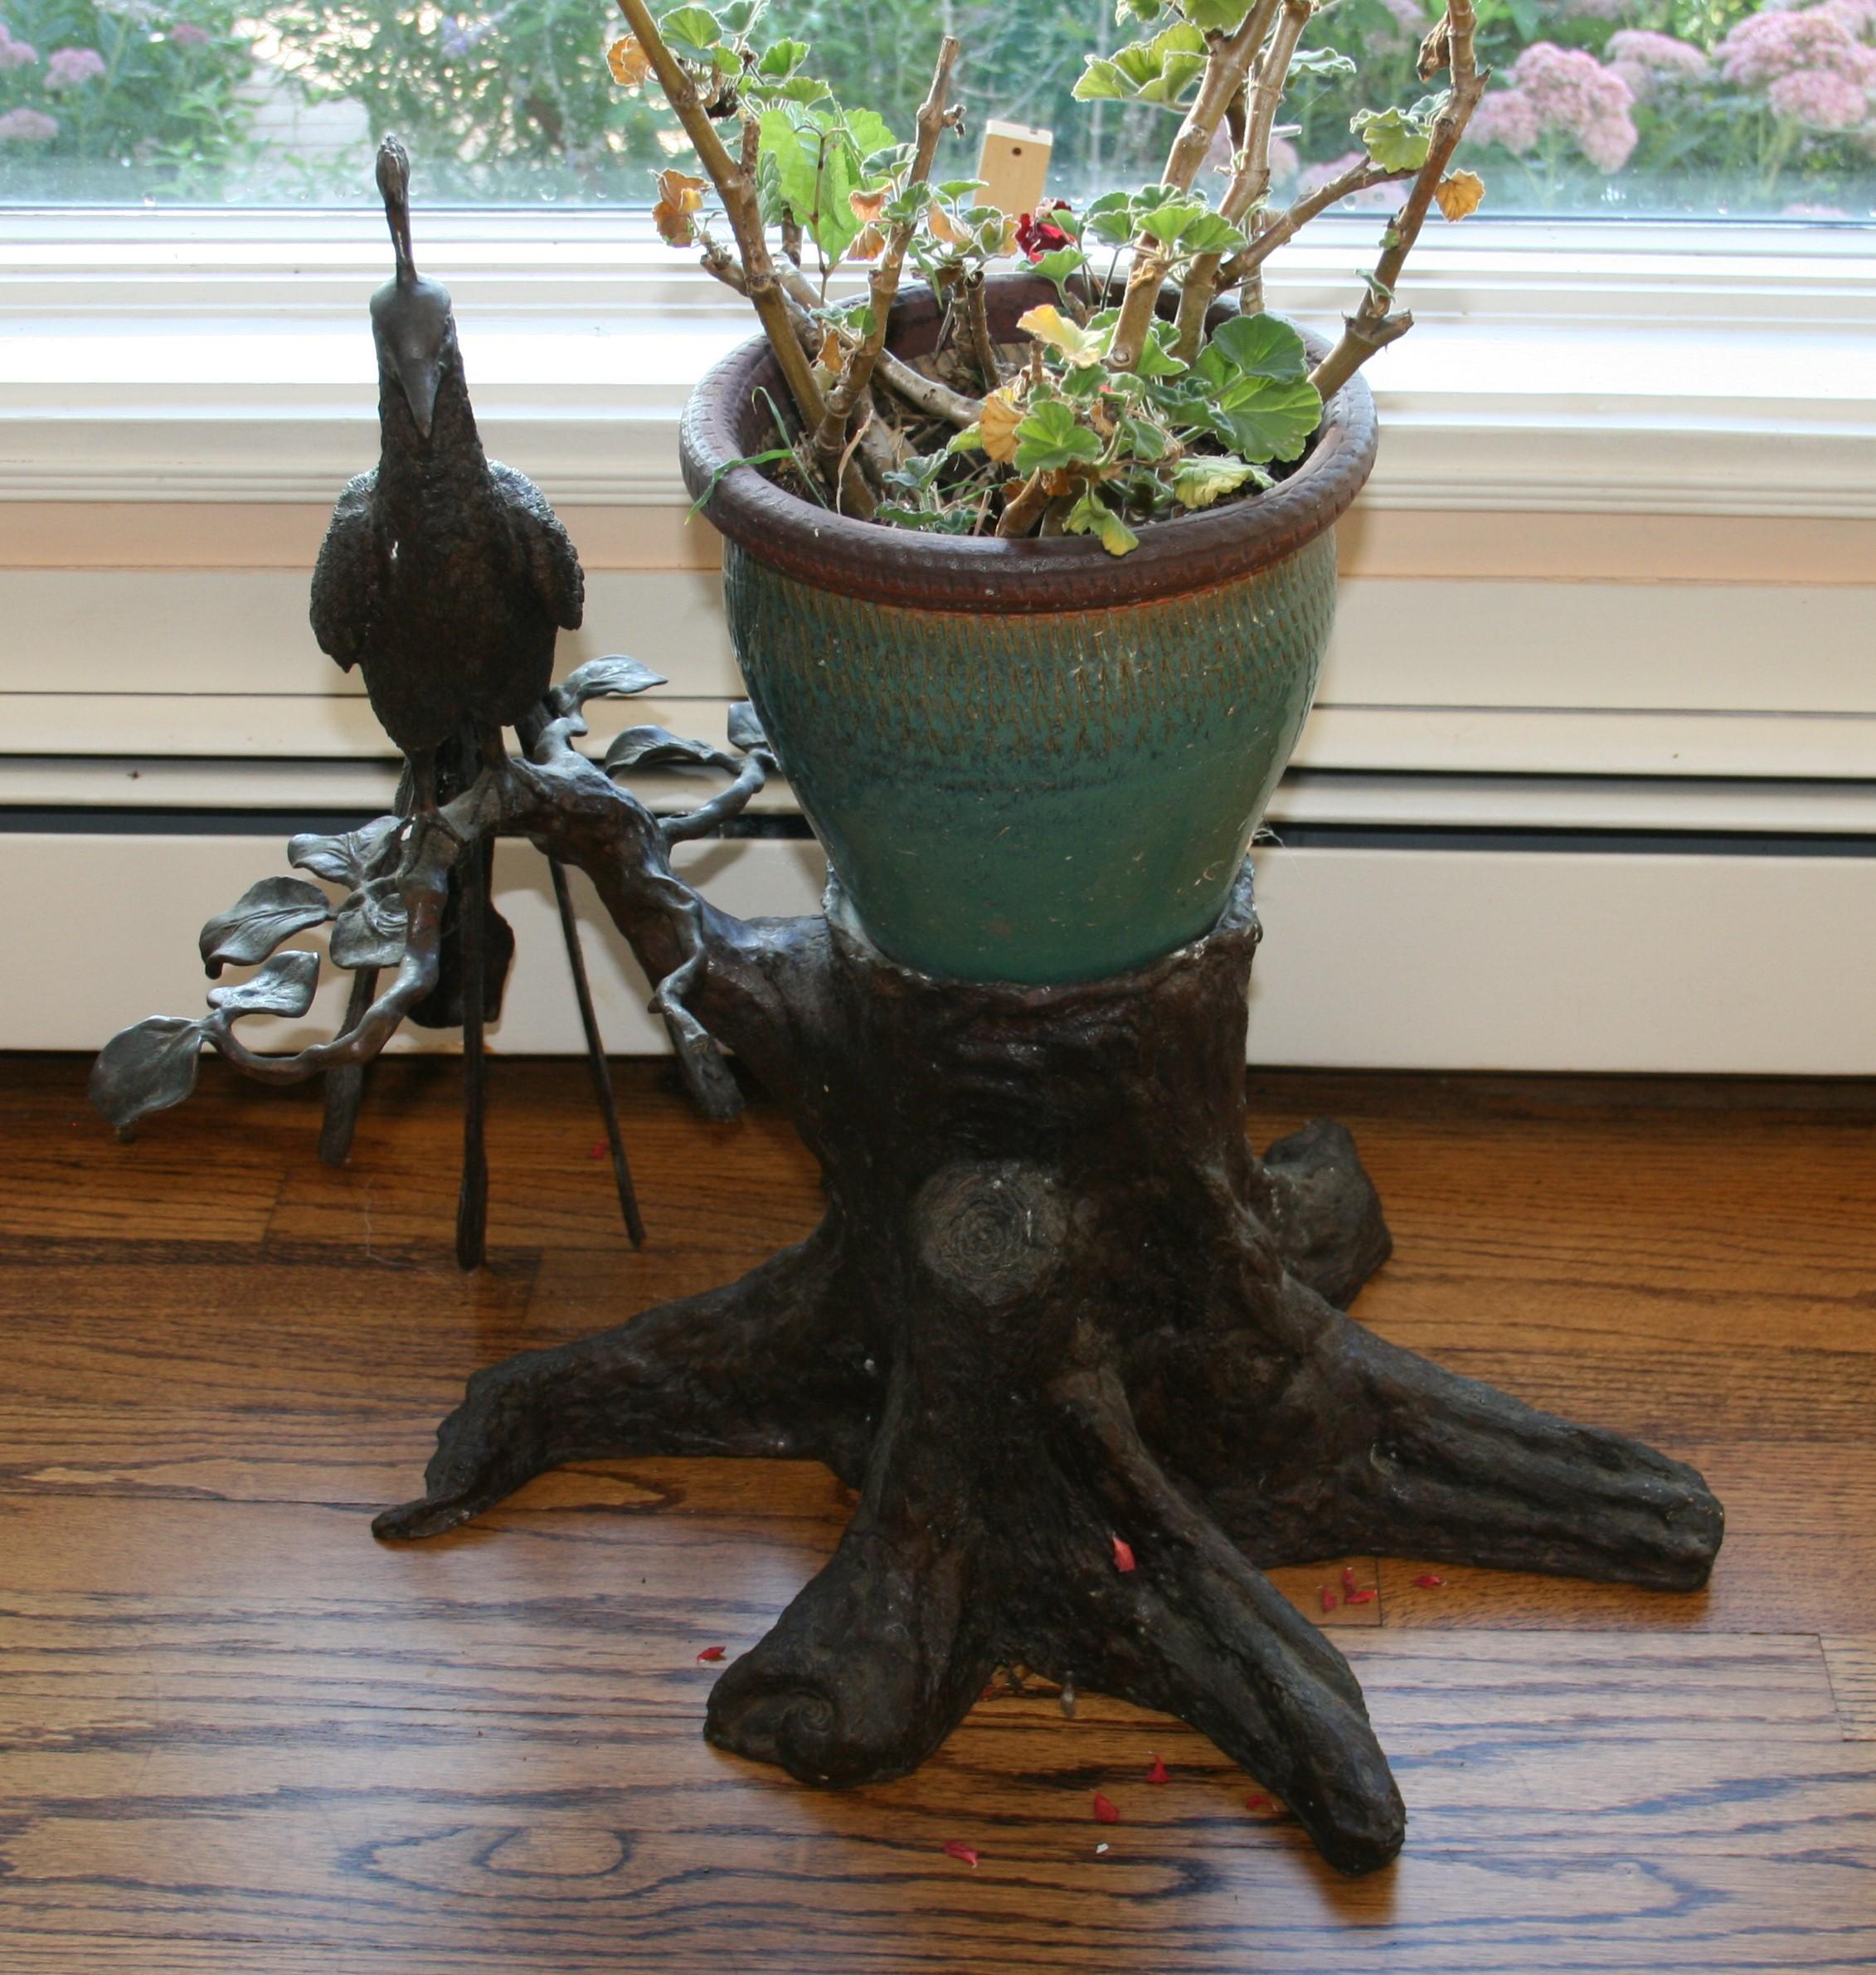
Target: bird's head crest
{"type": "Point", "coordinates": [411, 319]}
{"type": "Point", "coordinates": [394, 183]}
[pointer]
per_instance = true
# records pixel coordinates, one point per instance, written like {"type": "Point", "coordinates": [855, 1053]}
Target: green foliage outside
{"type": "Point", "coordinates": [1638, 106]}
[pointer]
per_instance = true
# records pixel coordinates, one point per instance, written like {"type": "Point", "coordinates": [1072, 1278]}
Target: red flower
{"type": "Point", "coordinates": [1037, 235]}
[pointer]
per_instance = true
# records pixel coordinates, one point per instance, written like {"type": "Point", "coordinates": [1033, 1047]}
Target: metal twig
{"type": "Point", "coordinates": [595, 1056]}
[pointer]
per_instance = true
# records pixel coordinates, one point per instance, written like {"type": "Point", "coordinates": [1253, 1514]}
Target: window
{"type": "Point", "coordinates": [1707, 108]}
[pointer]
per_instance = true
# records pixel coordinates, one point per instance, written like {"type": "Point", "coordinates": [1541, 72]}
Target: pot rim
{"type": "Point", "coordinates": [980, 574]}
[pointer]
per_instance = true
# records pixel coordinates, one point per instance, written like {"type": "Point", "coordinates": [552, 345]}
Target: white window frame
{"type": "Point", "coordinates": [1567, 366]}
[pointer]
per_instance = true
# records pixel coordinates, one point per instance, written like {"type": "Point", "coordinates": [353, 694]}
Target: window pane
{"type": "Point", "coordinates": [1643, 107]}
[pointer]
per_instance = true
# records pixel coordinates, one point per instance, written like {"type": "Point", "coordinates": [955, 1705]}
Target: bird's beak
{"type": "Point", "coordinates": [419, 376]}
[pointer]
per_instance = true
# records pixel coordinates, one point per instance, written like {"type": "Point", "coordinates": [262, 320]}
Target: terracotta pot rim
{"type": "Point", "coordinates": [952, 573]}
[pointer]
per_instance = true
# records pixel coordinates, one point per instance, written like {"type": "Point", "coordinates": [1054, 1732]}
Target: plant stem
{"type": "Point", "coordinates": [735, 180]}
{"type": "Point", "coordinates": [1251, 173]}
{"type": "Point", "coordinates": [1373, 326]}
{"type": "Point", "coordinates": [1226, 68]}
{"type": "Point", "coordinates": [856, 373]}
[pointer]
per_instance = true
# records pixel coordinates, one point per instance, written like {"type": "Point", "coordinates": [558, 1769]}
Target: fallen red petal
{"type": "Point", "coordinates": [1257, 1804]}
{"type": "Point", "coordinates": [1428, 1582]}
{"type": "Point", "coordinates": [1105, 1811]}
{"type": "Point", "coordinates": [1348, 1577]}
{"type": "Point", "coordinates": [711, 1652]}
{"type": "Point", "coordinates": [956, 1848]}
{"type": "Point", "coordinates": [1360, 1597]}
{"type": "Point", "coordinates": [598, 1149]}
{"type": "Point", "coordinates": [1123, 1553]}
{"type": "Point", "coordinates": [1330, 1600]}
{"type": "Point", "coordinates": [1157, 1774]}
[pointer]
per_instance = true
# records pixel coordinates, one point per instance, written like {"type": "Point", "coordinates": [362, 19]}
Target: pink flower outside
{"type": "Point", "coordinates": [1569, 89]}
{"type": "Point", "coordinates": [1775, 43]}
{"type": "Point", "coordinates": [1819, 100]}
{"type": "Point", "coordinates": [27, 126]}
{"type": "Point", "coordinates": [1507, 119]}
{"type": "Point", "coordinates": [186, 34]}
{"type": "Point", "coordinates": [68, 67]}
{"type": "Point", "coordinates": [1660, 51]}
{"type": "Point", "coordinates": [16, 55]}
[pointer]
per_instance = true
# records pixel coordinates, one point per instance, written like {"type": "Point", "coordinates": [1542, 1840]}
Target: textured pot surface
{"type": "Point", "coordinates": [1029, 761]}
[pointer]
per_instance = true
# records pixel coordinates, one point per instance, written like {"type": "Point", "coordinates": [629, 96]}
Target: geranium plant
{"type": "Point", "coordinates": [1132, 398]}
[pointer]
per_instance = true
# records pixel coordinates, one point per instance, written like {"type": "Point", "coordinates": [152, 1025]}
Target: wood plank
{"type": "Point", "coordinates": [236, 1736]}
{"type": "Point", "coordinates": [420, 1782]}
{"type": "Point", "coordinates": [1852, 1666]}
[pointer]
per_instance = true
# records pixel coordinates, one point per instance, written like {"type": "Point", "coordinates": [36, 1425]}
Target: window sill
{"type": "Point", "coordinates": [1617, 369]}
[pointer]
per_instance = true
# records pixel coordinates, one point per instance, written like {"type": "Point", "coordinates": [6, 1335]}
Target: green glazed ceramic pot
{"type": "Point", "coordinates": [1027, 761]}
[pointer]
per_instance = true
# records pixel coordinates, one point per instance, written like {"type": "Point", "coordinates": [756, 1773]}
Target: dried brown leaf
{"type": "Point", "coordinates": [1458, 193]}
{"type": "Point", "coordinates": [629, 62]}
{"type": "Point", "coordinates": [679, 195]}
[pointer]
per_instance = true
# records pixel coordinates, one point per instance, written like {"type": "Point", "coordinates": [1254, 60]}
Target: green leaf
{"type": "Point", "coordinates": [1111, 219]}
{"type": "Point", "coordinates": [1395, 138]}
{"type": "Point", "coordinates": [1092, 516]}
{"type": "Point", "coordinates": [1266, 418]}
{"type": "Point", "coordinates": [955, 189]}
{"type": "Point", "coordinates": [1210, 233]}
{"type": "Point", "coordinates": [1255, 346]}
{"type": "Point", "coordinates": [1141, 439]}
{"type": "Point", "coordinates": [1101, 81]}
{"type": "Point", "coordinates": [970, 439]}
{"type": "Point", "coordinates": [1059, 264]}
{"type": "Point", "coordinates": [1321, 61]}
{"type": "Point", "coordinates": [1203, 480]}
{"type": "Point", "coordinates": [1216, 16]}
{"type": "Point", "coordinates": [1049, 439]}
{"type": "Point", "coordinates": [1156, 356]}
{"type": "Point", "coordinates": [1166, 221]}
{"type": "Point", "coordinates": [738, 17]}
{"type": "Point", "coordinates": [781, 61]}
{"type": "Point", "coordinates": [693, 32]}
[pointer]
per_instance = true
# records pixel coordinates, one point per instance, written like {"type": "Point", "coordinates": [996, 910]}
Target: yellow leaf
{"type": "Point", "coordinates": [997, 423]}
{"type": "Point", "coordinates": [868, 245]}
{"type": "Point", "coordinates": [1458, 193]}
{"type": "Point", "coordinates": [1047, 324]}
{"type": "Point", "coordinates": [678, 196]}
{"type": "Point", "coordinates": [866, 207]}
{"type": "Point", "coordinates": [944, 227]}
{"type": "Point", "coordinates": [629, 62]}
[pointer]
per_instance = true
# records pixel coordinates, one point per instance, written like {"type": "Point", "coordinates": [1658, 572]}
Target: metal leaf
{"type": "Point", "coordinates": [348, 859]}
{"type": "Point", "coordinates": [372, 928]}
{"type": "Point", "coordinates": [746, 730]}
{"type": "Point", "coordinates": [146, 1068]}
{"type": "Point", "coordinates": [264, 916]}
{"type": "Point", "coordinates": [655, 747]}
{"type": "Point", "coordinates": [615, 678]}
{"type": "Point", "coordinates": [282, 987]}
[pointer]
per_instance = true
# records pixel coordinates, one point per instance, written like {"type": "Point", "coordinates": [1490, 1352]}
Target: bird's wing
{"type": "Point", "coordinates": [551, 560]}
{"type": "Point", "coordinates": [345, 576]}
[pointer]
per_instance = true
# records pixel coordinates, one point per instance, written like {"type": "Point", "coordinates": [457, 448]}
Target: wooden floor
{"type": "Point", "coordinates": [238, 1737]}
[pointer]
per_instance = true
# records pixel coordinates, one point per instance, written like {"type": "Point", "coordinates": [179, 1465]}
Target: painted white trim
{"type": "Point", "coordinates": [1420, 960]}
{"type": "Point", "coordinates": [1576, 803]}
{"type": "Point", "coordinates": [1625, 368]}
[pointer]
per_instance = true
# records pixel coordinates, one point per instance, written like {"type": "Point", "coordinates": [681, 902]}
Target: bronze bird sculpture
{"type": "Point", "coordinates": [446, 577]}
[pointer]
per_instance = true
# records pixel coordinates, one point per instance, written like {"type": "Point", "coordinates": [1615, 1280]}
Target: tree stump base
{"type": "Point", "coordinates": [1059, 1319]}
